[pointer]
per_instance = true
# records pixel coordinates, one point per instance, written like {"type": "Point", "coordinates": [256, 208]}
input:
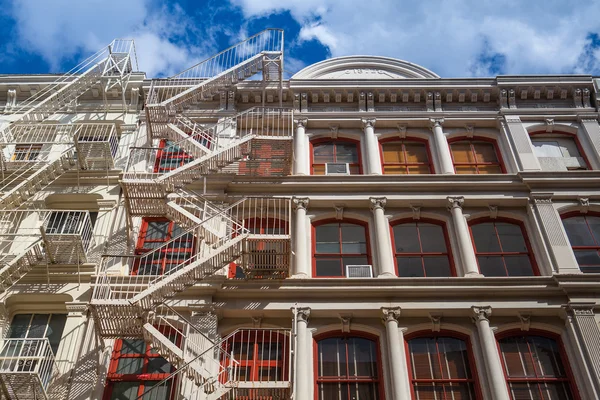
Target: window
{"type": "Point", "coordinates": [261, 354]}
{"type": "Point", "coordinates": [535, 368]}
{"type": "Point", "coordinates": [338, 153]}
{"type": "Point", "coordinates": [440, 368]}
{"type": "Point", "coordinates": [584, 234]}
{"type": "Point", "coordinates": [265, 257]}
{"type": "Point", "coordinates": [502, 249]}
{"type": "Point", "coordinates": [348, 368]}
{"type": "Point", "coordinates": [170, 157]}
{"type": "Point", "coordinates": [476, 157]}
{"type": "Point", "coordinates": [405, 157]}
{"type": "Point", "coordinates": [70, 222]}
{"type": "Point", "coordinates": [558, 152]}
{"type": "Point", "coordinates": [155, 232]}
{"type": "Point", "coordinates": [33, 326]}
{"type": "Point", "coordinates": [135, 368]}
{"type": "Point", "coordinates": [421, 249]}
{"type": "Point", "coordinates": [338, 244]}
{"type": "Point", "coordinates": [26, 152]}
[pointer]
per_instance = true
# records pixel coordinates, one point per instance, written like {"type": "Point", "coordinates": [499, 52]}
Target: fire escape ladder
{"type": "Point", "coordinates": [15, 267]}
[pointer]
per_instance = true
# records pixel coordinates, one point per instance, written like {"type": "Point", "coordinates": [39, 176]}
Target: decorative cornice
{"type": "Point", "coordinates": [391, 313]}
{"type": "Point", "coordinates": [455, 202]}
{"type": "Point", "coordinates": [377, 202]}
{"type": "Point", "coordinates": [303, 313]}
{"type": "Point", "coordinates": [300, 203]}
{"type": "Point", "coordinates": [481, 313]}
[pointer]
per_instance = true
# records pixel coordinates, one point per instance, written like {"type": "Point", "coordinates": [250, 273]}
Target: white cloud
{"type": "Point", "coordinates": [59, 29]}
{"type": "Point", "coordinates": [535, 36]}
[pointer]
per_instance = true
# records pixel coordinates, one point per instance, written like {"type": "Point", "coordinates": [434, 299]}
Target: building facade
{"type": "Point", "coordinates": [364, 230]}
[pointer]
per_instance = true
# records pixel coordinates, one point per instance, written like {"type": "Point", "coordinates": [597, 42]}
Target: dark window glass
{"type": "Point", "coordinates": [584, 234]}
{"type": "Point", "coordinates": [335, 152]}
{"type": "Point", "coordinates": [421, 250]}
{"type": "Point", "coordinates": [339, 244]}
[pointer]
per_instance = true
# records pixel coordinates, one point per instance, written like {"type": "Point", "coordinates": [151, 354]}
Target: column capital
{"type": "Point", "coordinates": [391, 313]}
{"type": "Point", "coordinates": [300, 202]}
{"type": "Point", "coordinates": [368, 122]}
{"type": "Point", "coordinates": [301, 122]}
{"type": "Point", "coordinates": [435, 122]}
{"type": "Point", "coordinates": [377, 202]}
{"type": "Point", "coordinates": [580, 309]}
{"type": "Point", "coordinates": [76, 309]}
{"type": "Point", "coordinates": [481, 313]}
{"type": "Point", "coordinates": [303, 313]}
{"type": "Point", "coordinates": [541, 198]}
{"type": "Point", "coordinates": [455, 202]}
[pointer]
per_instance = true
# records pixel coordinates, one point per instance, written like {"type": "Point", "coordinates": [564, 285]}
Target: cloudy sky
{"type": "Point", "coordinates": [454, 38]}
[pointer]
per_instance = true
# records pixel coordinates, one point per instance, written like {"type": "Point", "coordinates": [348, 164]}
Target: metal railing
{"type": "Point", "coordinates": [28, 356]}
{"type": "Point", "coordinates": [179, 89]}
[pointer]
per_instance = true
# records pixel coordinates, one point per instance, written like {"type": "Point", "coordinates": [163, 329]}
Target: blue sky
{"type": "Point", "coordinates": [457, 38]}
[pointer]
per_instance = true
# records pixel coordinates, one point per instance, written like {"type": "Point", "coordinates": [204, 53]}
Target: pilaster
{"type": "Point", "coordinates": [465, 245]}
{"type": "Point", "coordinates": [384, 244]}
{"type": "Point", "coordinates": [519, 139]}
{"type": "Point", "coordinates": [397, 353]}
{"type": "Point", "coordinates": [442, 147]}
{"type": "Point", "coordinates": [372, 147]}
{"type": "Point", "coordinates": [303, 354]}
{"type": "Point", "coordinates": [301, 156]}
{"type": "Point", "coordinates": [302, 265]}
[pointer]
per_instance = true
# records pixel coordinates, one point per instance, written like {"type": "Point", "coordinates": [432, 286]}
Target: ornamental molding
{"type": "Point", "coordinates": [76, 309]}
{"type": "Point", "coordinates": [584, 204]}
{"type": "Point", "coordinates": [377, 202]}
{"type": "Point", "coordinates": [303, 313]}
{"type": "Point", "coordinates": [436, 122]}
{"type": "Point", "coordinates": [481, 313]}
{"type": "Point", "coordinates": [436, 321]}
{"type": "Point", "coordinates": [391, 313]}
{"type": "Point", "coordinates": [368, 123]}
{"type": "Point", "coordinates": [525, 320]}
{"type": "Point", "coordinates": [345, 321]}
{"type": "Point", "coordinates": [455, 202]}
{"type": "Point", "coordinates": [364, 68]}
{"type": "Point", "coordinates": [580, 309]}
{"type": "Point", "coordinates": [416, 211]}
{"type": "Point", "coordinates": [301, 122]}
{"type": "Point", "coordinates": [300, 203]}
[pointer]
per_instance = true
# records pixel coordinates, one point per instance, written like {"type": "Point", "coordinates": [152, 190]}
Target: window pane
{"type": "Point", "coordinates": [394, 170]}
{"type": "Point", "coordinates": [578, 232]}
{"type": "Point", "coordinates": [437, 267]}
{"type": "Point", "coordinates": [130, 365]}
{"type": "Point", "coordinates": [594, 223]}
{"type": "Point", "coordinates": [424, 360]}
{"type": "Point", "coordinates": [547, 356]}
{"type": "Point", "coordinates": [485, 238]}
{"type": "Point", "coordinates": [353, 261]}
{"type": "Point", "coordinates": [346, 153]}
{"type": "Point", "coordinates": [419, 169]}
{"type": "Point", "coordinates": [392, 153]}
{"type": "Point", "coordinates": [488, 169]}
{"type": "Point", "coordinates": [333, 391]}
{"type": "Point", "coordinates": [353, 239]}
{"type": "Point", "coordinates": [410, 267]}
{"type": "Point", "coordinates": [518, 266]}
{"type": "Point", "coordinates": [158, 365]}
{"type": "Point", "coordinates": [485, 152]}
{"type": "Point", "coordinates": [332, 357]}
{"type": "Point", "coordinates": [363, 391]}
{"type": "Point", "coordinates": [454, 358]}
{"type": "Point", "coordinates": [546, 148]}
{"type": "Point", "coordinates": [323, 153]}
{"type": "Point", "coordinates": [406, 238]}
{"type": "Point", "coordinates": [38, 326]}
{"type": "Point", "coordinates": [19, 326]}
{"type": "Point", "coordinates": [318, 169]}
{"type": "Point", "coordinates": [491, 265]}
{"type": "Point", "coordinates": [362, 356]}
{"type": "Point", "coordinates": [133, 346]}
{"type": "Point", "coordinates": [432, 238]}
{"type": "Point", "coordinates": [416, 153]}
{"type": "Point", "coordinates": [511, 237]}
{"type": "Point", "coordinates": [465, 169]}
{"type": "Point", "coordinates": [124, 390]}
{"type": "Point", "coordinates": [157, 230]}
{"type": "Point", "coordinates": [163, 392]}
{"type": "Point", "coordinates": [462, 153]}
{"type": "Point", "coordinates": [329, 267]}
{"type": "Point", "coordinates": [55, 330]}
{"type": "Point", "coordinates": [589, 260]}
{"type": "Point", "coordinates": [327, 238]}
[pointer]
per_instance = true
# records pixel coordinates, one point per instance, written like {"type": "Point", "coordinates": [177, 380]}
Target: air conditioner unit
{"type": "Point", "coordinates": [337, 169]}
{"type": "Point", "coordinates": [359, 271]}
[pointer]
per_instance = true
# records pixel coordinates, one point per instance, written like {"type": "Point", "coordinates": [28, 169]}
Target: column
{"type": "Point", "coordinates": [465, 245]}
{"type": "Point", "coordinates": [493, 365]}
{"type": "Point", "coordinates": [397, 354]}
{"type": "Point", "coordinates": [303, 352]}
{"type": "Point", "coordinates": [519, 139]}
{"type": "Point", "coordinates": [301, 252]}
{"type": "Point", "coordinates": [555, 236]}
{"type": "Point", "coordinates": [383, 242]}
{"type": "Point", "coordinates": [441, 144]}
{"type": "Point", "coordinates": [582, 326]}
{"type": "Point", "coordinates": [301, 158]}
{"type": "Point", "coordinates": [372, 147]}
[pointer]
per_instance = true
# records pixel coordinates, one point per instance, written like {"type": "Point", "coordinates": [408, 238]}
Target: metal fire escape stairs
{"type": "Point", "coordinates": [127, 305]}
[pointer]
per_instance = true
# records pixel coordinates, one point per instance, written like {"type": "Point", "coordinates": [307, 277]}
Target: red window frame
{"type": "Point", "coordinates": [259, 226]}
{"type": "Point", "coordinates": [596, 247]}
{"type": "Point", "coordinates": [251, 359]}
{"type": "Point", "coordinates": [569, 136]}
{"type": "Point", "coordinates": [448, 252]}
{"type": "Point", "coordinates": [564, 361]}
{"type": "Point", "coordinates": [357, 166]}
{"type": "Point", "coordinates": [378, 379]}
{"type": "Point", "coordinates": [470, 362]}
{"type": "Point", "coordinates": [500, 161]}
{"type": "Point", "coordinates": [424, 142]}
{"type": "Point", "coordinates": [338, 255]}
{"type": "Point", "coordinates": [140, 249]}
{"type": "Point", "coordinates": [530, 255]}
{"type": "Point", "coordinates": [164, 155]}
{"type": "Point", "coordinates": [113, 377]}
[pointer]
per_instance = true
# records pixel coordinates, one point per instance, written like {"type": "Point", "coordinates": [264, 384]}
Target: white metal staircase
{"type": "Point", "coordinates": [14, 267]}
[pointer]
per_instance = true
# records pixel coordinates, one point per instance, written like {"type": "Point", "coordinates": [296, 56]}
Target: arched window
{"type": "Point", "coordinates": [535, 367]}
{"type": "Point", "coordinates": [502, 248]}
{"type": "Point", "coordinates": [336, 157]}
{"type": "Point", "coordinates": [558, 152]}
{"type": "Point", "coordinates": [348, 367]}
{"type": "Point", "coordinates": [401, 157]}
{"type": "Point", "coordinates": [135, 367]}
{"type": "Point", "coordinates": [155, 233]}
{"type": "Point", "coordinates": [476, 156]}
{"type": "Point", "coordinates": [584, 234]}
{"type": "Point", "coordinates": [441, 367]}
{"type": "Point", "coordinates": [338, 244]}
{"type": "Point", "coordinates": [421, 249]}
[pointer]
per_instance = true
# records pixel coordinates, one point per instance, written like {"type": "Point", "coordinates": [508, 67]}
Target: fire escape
{"type": "Point", "coordinates": [36, 150]}
{"type": "Point", "coordinates": [249, 235]}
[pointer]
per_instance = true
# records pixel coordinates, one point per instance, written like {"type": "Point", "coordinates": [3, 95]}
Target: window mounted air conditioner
{"type": "Point", "coordinates": [337, 169]}
{"type": "Point", "coordinates": [359, 271]}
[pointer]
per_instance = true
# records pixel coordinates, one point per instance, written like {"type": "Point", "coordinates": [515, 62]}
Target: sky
{"type": "Point", "coordinates": [453, 38]}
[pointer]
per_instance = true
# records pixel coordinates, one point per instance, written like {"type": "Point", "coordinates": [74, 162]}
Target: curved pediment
{"type": "Point", "coordinates": [364, 68]}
